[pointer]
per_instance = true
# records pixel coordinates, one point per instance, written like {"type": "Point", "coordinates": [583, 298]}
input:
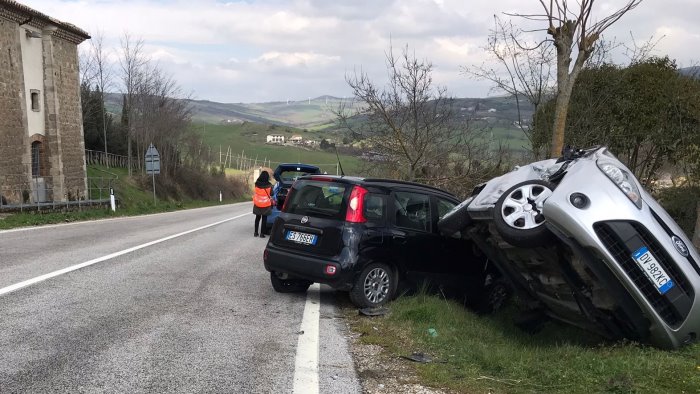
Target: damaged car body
{"type": "Point", "coordinates": [582, 242]}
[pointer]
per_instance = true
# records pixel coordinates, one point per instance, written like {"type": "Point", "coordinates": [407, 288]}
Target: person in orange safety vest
{"type": "Point", "coordinates": [262, 202]}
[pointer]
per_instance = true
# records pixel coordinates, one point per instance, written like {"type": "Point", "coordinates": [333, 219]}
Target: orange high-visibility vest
{"type": "Point", "coordinates": [261, 198]}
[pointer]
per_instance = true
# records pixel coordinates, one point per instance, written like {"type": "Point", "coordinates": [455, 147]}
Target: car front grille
{"type": "Point", "coordinates": [621, 239]}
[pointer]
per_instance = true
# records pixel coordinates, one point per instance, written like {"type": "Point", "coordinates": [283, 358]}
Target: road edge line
{"type": "Point", "coordinates": [306, 380]}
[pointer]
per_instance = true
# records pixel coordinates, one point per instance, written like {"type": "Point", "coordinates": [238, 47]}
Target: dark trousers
{"type": "Point", "coordinates": [264, 223]}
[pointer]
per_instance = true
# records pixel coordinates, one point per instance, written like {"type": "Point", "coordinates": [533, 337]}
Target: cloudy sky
{"type": "Point", "coordinates": [273, 50]}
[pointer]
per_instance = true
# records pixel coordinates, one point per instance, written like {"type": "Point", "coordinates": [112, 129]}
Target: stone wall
{"type": "Point", "coordinates": [15, 158]}
{"type": "Point", "coordinates": [70, 124]}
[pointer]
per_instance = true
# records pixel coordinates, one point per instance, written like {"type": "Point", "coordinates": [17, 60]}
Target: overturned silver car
{"type": "Point", "coordinates": [582, 242]}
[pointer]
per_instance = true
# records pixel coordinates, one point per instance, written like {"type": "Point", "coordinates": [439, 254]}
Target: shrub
{"type": "Point", "coordinates": [189, 183]}
{"type": "Point", "coordinates": [680, 203]}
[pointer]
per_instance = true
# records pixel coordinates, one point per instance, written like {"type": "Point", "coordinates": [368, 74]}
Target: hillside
{"type": "Point", "coordinates": [316, 117]}
{"type": "Point", "coordinates": [318, 113]}
{"type": "Point", "coordinates": [249, 139]}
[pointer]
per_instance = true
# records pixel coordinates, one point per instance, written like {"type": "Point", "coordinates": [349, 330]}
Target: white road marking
{"type": "Point", "coordinates": [50, 275]}
{"type": "Point", "coordinates": [306, 363]}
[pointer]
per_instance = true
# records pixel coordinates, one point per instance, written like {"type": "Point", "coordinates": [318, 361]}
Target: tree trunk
{"type": "Point", "coordinates": [560, 112]}
{"type": "Point", "coordinates": [696, 235]}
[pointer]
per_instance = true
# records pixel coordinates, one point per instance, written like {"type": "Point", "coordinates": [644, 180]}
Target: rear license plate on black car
{"type": "Point", "coordinates": [302, 238]}
{"type": "Point", "coordinates": [653, 270]}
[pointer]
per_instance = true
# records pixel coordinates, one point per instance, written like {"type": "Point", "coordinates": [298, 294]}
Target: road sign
{"type": "Point", "coordinates": [152, 161]}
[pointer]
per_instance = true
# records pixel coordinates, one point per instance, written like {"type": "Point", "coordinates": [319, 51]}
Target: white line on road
{"type": "Point", "coordinates": [306, 363]}
{"type": "Point", "coordinates": [50, 275]}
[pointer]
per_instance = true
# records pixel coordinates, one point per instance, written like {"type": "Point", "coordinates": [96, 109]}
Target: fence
{"type": "Point", "coordinates": [109, 159]}
{"type": "Point", "coordinates": [247, 164]}
{"type": "Point", "coordinates": [42, 193]}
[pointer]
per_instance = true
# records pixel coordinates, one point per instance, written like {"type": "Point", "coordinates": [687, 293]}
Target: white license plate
{"type": "Point", "coordinates": [302, 238]}
{"type": "Point", "coordinates": [653, 270]}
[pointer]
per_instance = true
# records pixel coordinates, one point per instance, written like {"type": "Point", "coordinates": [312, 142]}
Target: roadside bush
{"type": "Point", "coordinates": [680, 203]}
{"type": "Point", "coordinates": [188, 183]}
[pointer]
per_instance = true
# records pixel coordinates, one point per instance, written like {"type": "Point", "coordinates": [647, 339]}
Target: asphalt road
{"type": "Point", "coordinates": [147, 313]}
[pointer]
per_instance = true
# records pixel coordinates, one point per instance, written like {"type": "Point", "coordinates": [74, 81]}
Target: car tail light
{"type": "Point", "coordinates": [331, 269]}
{"type": "Point", "coordinates": [355, 212]}
{"type": "Point", "coordinates": [265, 255]}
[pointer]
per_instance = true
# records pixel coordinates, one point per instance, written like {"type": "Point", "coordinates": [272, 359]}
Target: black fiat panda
{"type": "Point", "coordinates": [371, 237]}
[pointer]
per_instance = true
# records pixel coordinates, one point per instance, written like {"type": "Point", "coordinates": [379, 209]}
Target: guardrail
{"type": "Point", "coordinates": [41, 193]}
{"type": "Point", "coordinates": [109, 159]}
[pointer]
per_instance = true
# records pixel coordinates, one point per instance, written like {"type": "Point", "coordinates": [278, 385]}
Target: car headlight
{"type": "Point", "coordinates": [624, 180]}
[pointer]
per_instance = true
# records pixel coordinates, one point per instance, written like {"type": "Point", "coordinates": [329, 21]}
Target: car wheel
{"type": "Point", "coordinates": [518, 214]}
{"type": "Point", "coordinates": [375, 286]}
{"type": "Point", "coordinates": [455, 220]}
{"type": "Point", "coordinates": [282, 284]}
{"type": "Point", "coordinates": [494, 296]}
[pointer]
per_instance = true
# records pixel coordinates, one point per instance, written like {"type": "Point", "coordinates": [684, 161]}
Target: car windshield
{"type": "Point", "coordinates": [291, 176]}
{"type": "Point", "coordinates": [313, 198]}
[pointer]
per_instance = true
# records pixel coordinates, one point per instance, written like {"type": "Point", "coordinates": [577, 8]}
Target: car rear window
{"type": "Point", "coordinates": [291, 176]}
{"type": "Point", "coordinates": [318, 199]}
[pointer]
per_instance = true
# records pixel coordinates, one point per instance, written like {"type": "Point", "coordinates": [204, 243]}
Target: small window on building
{"type": "Point", "coordinates": [36, 158]}
{"type": "Point", "coordinates": [36, 106]}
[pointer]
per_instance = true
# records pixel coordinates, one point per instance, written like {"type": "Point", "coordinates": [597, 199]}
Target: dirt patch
{"type": "Point", "coordinates": [380, 371]}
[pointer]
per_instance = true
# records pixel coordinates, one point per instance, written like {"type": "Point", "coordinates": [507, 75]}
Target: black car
{"type": "Point", "coordinates": [371, 237]}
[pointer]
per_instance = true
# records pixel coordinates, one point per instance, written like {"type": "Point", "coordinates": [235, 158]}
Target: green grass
{"type": "Point", "coordinates": [131, 199]}
{"type": "Point", "coordinates": [249, 138]}
{"type": "Point", "coordinates": [488, 354]}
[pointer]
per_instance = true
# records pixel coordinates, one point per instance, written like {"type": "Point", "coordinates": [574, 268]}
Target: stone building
{"type": "Point", "coordinates": [42, 155]}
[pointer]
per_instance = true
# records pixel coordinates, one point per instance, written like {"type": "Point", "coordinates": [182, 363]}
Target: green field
{"type": "Point", "coordinates": [249, 139]}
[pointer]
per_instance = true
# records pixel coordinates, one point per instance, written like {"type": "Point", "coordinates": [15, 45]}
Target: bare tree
{"type": "Point", "coordinates": [569, 27]}
{"type": "Point", "coordinates": [413, 125]}
{"type": "Point", "coordinates": [524, 70]}
{"type": "Point", "coordinates": [102, 76]}
{"type": "Point", "coordinates": [132, 62]}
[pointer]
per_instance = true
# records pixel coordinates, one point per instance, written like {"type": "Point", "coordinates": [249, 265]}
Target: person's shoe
{"type": "Point", "coordinates": [255, 234]}
{"type": "Point", "coordinates": [262, 235]}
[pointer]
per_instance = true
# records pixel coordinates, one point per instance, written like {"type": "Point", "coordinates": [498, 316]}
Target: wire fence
{"type": "Point", "coordinates": [49, 193]}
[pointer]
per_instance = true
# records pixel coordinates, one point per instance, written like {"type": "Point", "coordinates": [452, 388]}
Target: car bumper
{"type": "Point", "coordinates": [307, 267]}
{"type": "Point", "coordinates": [612, 228]}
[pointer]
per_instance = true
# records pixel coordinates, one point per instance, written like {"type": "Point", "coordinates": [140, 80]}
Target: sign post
{"type": "Point", "coordinates": [153, 166]}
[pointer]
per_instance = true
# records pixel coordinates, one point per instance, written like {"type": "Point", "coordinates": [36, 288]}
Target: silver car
{"type": "Point", "coordinates": [581, 241]}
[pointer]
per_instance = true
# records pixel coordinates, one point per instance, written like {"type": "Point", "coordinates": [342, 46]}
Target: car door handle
{"type": "Point", "coordinates": [401, 239]}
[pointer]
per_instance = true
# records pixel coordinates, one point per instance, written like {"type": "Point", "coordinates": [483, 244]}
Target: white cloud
{"type": "Point", "coordinates": [272, 49]}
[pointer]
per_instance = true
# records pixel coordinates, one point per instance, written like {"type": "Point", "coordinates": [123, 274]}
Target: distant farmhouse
{"type": "Point", "coordinates": [275, 139]}
{"type": "Point", "coordinates": [296, 139]}
{"type": "Point", "coordinates": [42, 155]}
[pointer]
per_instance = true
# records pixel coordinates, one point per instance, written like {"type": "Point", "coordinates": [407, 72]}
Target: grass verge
{"type": "Point", "coordinates": [476, 353]}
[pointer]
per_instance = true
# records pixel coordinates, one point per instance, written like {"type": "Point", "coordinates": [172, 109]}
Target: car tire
{"type": "Point", "coordinates": [281, 284]}
{"type": "Point", "coordinates": [518, 214]}
{"type": "Point", "coordinates": [455, 220]}
{"type": "Point", "coordinates": [374, 286]}
{"type": "Point", "coordinates": [494, 296]}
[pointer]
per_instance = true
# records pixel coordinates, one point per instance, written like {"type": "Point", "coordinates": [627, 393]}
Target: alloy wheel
{"type": "Point", "coordinates": [376, 286]}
